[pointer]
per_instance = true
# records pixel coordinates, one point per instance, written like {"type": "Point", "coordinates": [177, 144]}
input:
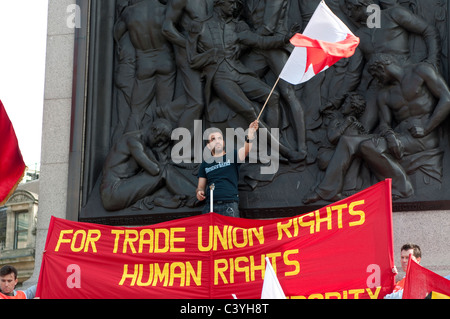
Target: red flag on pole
{"type": "Point", "coordinates": [325, 41]}
{"type": "Point", "coordinates": [419, 282]}
{"type": "Point", "coordinates": [12, 166]}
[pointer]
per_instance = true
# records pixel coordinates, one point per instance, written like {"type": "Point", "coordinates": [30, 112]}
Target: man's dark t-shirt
{"type": "Point", "coordinates": [224, 173]}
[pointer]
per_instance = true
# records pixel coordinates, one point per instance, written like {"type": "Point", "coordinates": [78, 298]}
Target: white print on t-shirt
{"type": "Point", "coordinates": [220, 165]}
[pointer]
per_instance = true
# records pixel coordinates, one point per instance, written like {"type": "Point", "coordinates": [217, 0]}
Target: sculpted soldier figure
{"type": "Point", "coordinates": [138, 165]}
{"type": "Point", "coordinates": [179, 17]}
{"type": "Point", "coordinates": [413, 102]}
{"type": "Point", "coordinates": [397, 23]}
{"type": "Point", "coordinates": [155, 67]}
{"type": "Point", "coordinates": [214, 47]}
{"type": "Point", "coordinates": [268, 18]}
{"type": "Point", "coordinates": [124, 75]}
{"type": "Point", "coordinates": [339, 122]}
{"type": "Point", "coordinates": [393, 37]}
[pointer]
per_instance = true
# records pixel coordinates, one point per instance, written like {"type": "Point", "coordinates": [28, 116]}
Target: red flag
{"type": "Point", "coordinates": [419, 282]}
{"type": "Point", "coordinates": [12, 166]}
{"type": "Point", "coordinates": [324, 42]}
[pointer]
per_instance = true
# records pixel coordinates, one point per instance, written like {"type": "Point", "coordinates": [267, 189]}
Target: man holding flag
{"type": "Point", "coordinates": [220, 172]}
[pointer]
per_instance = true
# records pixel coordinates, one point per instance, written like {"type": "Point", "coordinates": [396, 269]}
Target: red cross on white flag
{"type": "Point", "coordinates": [325, 41]}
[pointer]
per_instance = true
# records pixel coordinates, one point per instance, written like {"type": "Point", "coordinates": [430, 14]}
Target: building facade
{"type": "Point", "coordinates": [18, 230]}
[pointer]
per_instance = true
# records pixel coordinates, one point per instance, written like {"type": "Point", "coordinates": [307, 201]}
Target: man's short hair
{"type": "Point", "coordinates": [416, 249]}
{"type": "Point", "coordinates": [213, 130]}
{"type": "Point", "coordinates": [6, 270]}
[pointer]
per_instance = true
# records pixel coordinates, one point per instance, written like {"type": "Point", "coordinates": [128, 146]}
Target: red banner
{"type": "Point", "coordinates": [342, 251]}
{"type": "Point", "coordinates": [419, 282]}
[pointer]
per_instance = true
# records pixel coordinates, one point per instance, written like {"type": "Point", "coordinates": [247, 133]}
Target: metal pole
{"type": "Point", "coordinates": [211, 198]}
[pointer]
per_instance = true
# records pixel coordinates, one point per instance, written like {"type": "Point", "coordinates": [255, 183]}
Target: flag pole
{"type": "Point", "coordinates": [267, 100]}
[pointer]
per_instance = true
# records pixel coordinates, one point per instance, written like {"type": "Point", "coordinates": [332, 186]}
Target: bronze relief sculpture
{"type": "Point", "coordinates": [379, 114]}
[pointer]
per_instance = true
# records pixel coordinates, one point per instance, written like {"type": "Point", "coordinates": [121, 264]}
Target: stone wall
{"type": "Point", "coordinates": [56, 124]}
